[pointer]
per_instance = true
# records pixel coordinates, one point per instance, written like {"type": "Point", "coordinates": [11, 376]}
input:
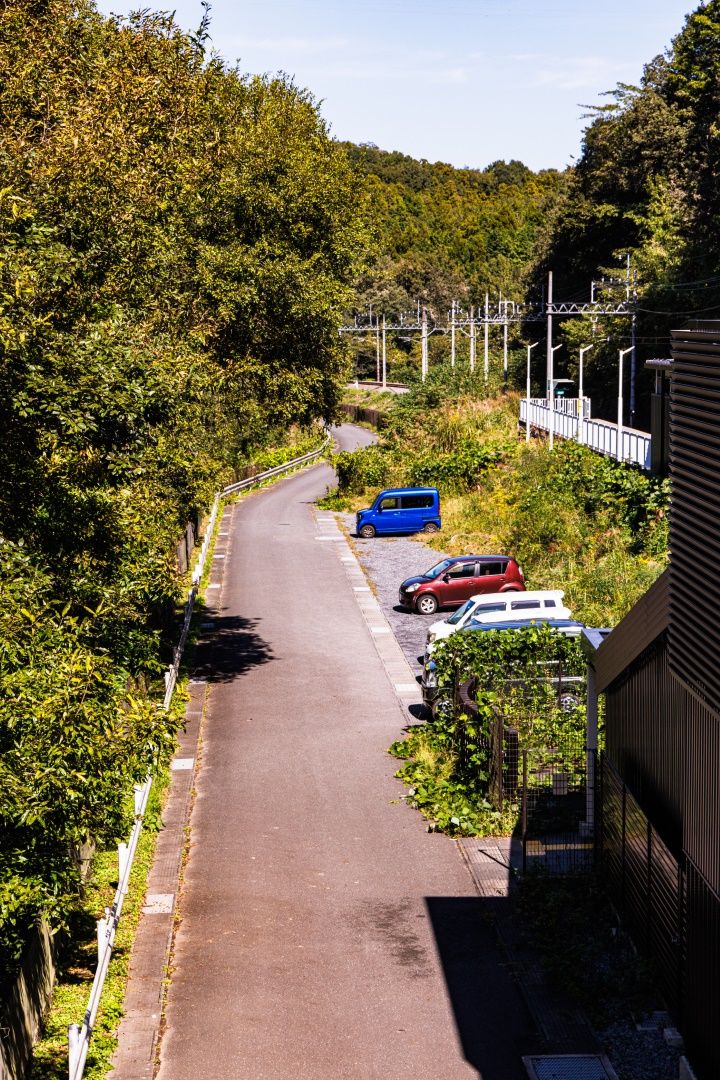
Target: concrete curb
{"type": "Point", "coordinates": [397, 669]}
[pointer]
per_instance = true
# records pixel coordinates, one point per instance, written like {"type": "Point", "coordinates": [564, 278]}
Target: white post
{"type": "Point", "coordinates": [623, 354]}
{"type": "Point", "coordinates": [73, 1049]}
{"type": "Point", "coordinates": [486, 360]}
{"type": "Point", "coordinates": [581, 389]}
{"type": "Point", "coordinates": [384, 357]}
{"type": "Point", "coordinates": [505, 351]}
{"type": "Point", "coordinates": [123, 859]}
{"type": "Point", "coordinates": [377, 349]}
{"type": "Point", "coordinates": [472, 338]}
{"type": "Point", "coordinates": [452, 335]}
{"type": "Point", "coordinates": [551, 381]}
{"type": "Point", "coordinates": [424, 360]}
{"type": "Point", "coordinates": [527, 392]}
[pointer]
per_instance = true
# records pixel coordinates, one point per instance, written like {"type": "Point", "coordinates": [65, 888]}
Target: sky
{"type": "Point", "coordinates": [467, 82]}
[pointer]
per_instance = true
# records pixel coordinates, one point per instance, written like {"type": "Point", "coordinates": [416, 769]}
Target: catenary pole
{"type": "Point", "coordinates": [384, 356]}
{"type": "Point", "coordinates": [486, 358]}
{"type": "Point", "coordinates": [548, 366]}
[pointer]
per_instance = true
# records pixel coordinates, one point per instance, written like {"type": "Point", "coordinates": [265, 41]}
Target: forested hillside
{"type": "Point", "coordinates": [643, 194]}
{"type": "Point", "coordinates": [439, 234]}
{"type": "Point", "coordinates": [176, 245]}
{"type": "Point", "coordinates": [646, 184]}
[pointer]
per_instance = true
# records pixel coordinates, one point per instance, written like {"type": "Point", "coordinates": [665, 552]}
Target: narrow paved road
{"type": "Point", "coordinates": [324, 934]}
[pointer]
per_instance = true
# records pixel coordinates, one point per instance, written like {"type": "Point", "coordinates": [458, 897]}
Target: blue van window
{"type": "Point", "coordinates": [416, 502]}
{"type": "Point", "coordinates": [389, 503]}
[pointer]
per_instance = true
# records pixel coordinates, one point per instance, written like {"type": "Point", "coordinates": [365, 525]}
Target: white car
{"type": "Point", "coordinates": [499, 607]}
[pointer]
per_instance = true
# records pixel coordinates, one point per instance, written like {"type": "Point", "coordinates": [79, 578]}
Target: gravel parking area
{"type": "Point", "coordinates": [388, 560]}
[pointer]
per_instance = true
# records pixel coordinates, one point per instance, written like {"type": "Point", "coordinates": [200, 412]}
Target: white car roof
{"type": "Point", "coordinates": [516, 594]}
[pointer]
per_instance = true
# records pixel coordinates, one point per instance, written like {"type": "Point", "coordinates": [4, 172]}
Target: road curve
{"type": "Point", "coordinates": [324, 934]}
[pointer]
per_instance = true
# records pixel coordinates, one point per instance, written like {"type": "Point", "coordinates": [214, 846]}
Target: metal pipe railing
{"type": "Point", "coordinates": [79, 1035]}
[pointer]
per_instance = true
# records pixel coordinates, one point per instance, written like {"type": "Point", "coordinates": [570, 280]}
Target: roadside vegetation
{"type": "Point", "coordinates": [177, 245]}
{"type": "Point", "coordinates": [575, 520]}
{"type": "Point", "coordinates": [490, 681]}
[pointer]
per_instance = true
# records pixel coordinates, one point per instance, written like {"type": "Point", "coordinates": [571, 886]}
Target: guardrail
{"type": "Point", "coordinates": [599, 435]}
{"type": "Point", "coordinates": [79, 1035]}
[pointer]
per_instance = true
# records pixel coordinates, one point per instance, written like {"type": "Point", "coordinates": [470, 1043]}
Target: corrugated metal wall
{"type": "Point", "coordinates": [661, 839]}
{"type": "Point", "coordinates": [694, 635]}
{"type": "Point", "coordinates": [644, 739]}
{"type": "Point", "coordinates": [646, 882]}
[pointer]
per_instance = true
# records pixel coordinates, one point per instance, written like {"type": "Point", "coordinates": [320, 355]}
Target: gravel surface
{"type": "Point", "coordinates": [388, 560]}
{"type": "Point", "coordinates": [639, 1055]}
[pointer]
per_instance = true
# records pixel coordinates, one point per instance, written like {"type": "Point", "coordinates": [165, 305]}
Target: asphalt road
{"type": "Point", "coordinates": [324, 934]}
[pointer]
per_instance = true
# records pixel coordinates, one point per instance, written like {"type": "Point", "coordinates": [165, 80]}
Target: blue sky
{"type": "Point", "coordinates": [462, 81]}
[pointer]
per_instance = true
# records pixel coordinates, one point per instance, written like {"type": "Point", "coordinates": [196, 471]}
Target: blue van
{"type": "Point", "coordinates": [401, 510]}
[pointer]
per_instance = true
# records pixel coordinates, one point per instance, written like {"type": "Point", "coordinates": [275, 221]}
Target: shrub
{"type": "Point", "coordinates": [361, 469]}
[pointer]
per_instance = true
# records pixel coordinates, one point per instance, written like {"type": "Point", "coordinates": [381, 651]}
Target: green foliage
{"type": "Point", "coordinates": [456, 471]}
{"type": "Point", "coordinates": [358, 470]}
{"type": "Point", "coordinates": [73, 739]}
{"type": "Point", "coordinates": [645, 184]}
{"type": "Point", "coordinates": [600, 971]}
{"type": "Point", "coordinates": [509, 671]}
{"type": "Point", "coordinates": [177, 245]}
{"type": "Point", "coordinates": [446, 234]}
{"type": "Point", "coordinates": [439, 434]}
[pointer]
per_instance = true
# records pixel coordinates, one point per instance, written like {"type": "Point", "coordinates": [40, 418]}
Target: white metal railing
{"type": "Point", "coordinates": [598, 435]}
{"type": "Point", "coordinates": [79, 1035]}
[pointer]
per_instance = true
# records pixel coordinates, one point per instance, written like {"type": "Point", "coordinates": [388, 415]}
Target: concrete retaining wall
{"type": "Point", "coordinates": [24, 1004]}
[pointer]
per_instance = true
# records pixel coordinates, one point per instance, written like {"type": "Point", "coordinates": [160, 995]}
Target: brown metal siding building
{"type": "Point", "coordinates": [660, 672]}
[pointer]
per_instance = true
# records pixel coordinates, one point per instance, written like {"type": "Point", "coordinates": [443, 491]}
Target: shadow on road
{"type": "Point", "coordinates": [229, 649]}
{"type": "Point", "coordinates": [493, 1024]}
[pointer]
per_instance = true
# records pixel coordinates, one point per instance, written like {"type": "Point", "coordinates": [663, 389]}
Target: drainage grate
{"type": "Point", "coordinates": [569, 1067]}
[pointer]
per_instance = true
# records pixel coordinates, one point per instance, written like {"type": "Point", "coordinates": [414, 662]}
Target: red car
{"type": "Point", "coordinates": [453, 581]}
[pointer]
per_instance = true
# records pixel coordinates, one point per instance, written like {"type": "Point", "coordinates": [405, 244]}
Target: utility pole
{"type": "Point", "coordinates": [452, 335]}
{"type": "Point", "coordinates": [486, 360]}
{"type": "Point", "coordinates": [633, 362]}
{"type": "Point", "coordinates": [424, 341]}
{"type": "Point", "coordinates": [549, 364]}
{"type": "Point", "coordinates": [384, 358]}
{"type": "Point", "coordinates": [472, 338]}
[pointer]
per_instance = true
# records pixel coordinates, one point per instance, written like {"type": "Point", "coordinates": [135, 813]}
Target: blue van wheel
{"type": "Point", "coordinates": [368, 531]}
{"type": "Point", "coordinates": [431, 527]}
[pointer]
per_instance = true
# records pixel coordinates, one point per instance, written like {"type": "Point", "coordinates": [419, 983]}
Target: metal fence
{"type": "Point", "coordinates": [544, 774]}
{"type": "Point", "coordinates": [624, 444]}
{"type": "Point", "coordinates": [79, 1035]}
